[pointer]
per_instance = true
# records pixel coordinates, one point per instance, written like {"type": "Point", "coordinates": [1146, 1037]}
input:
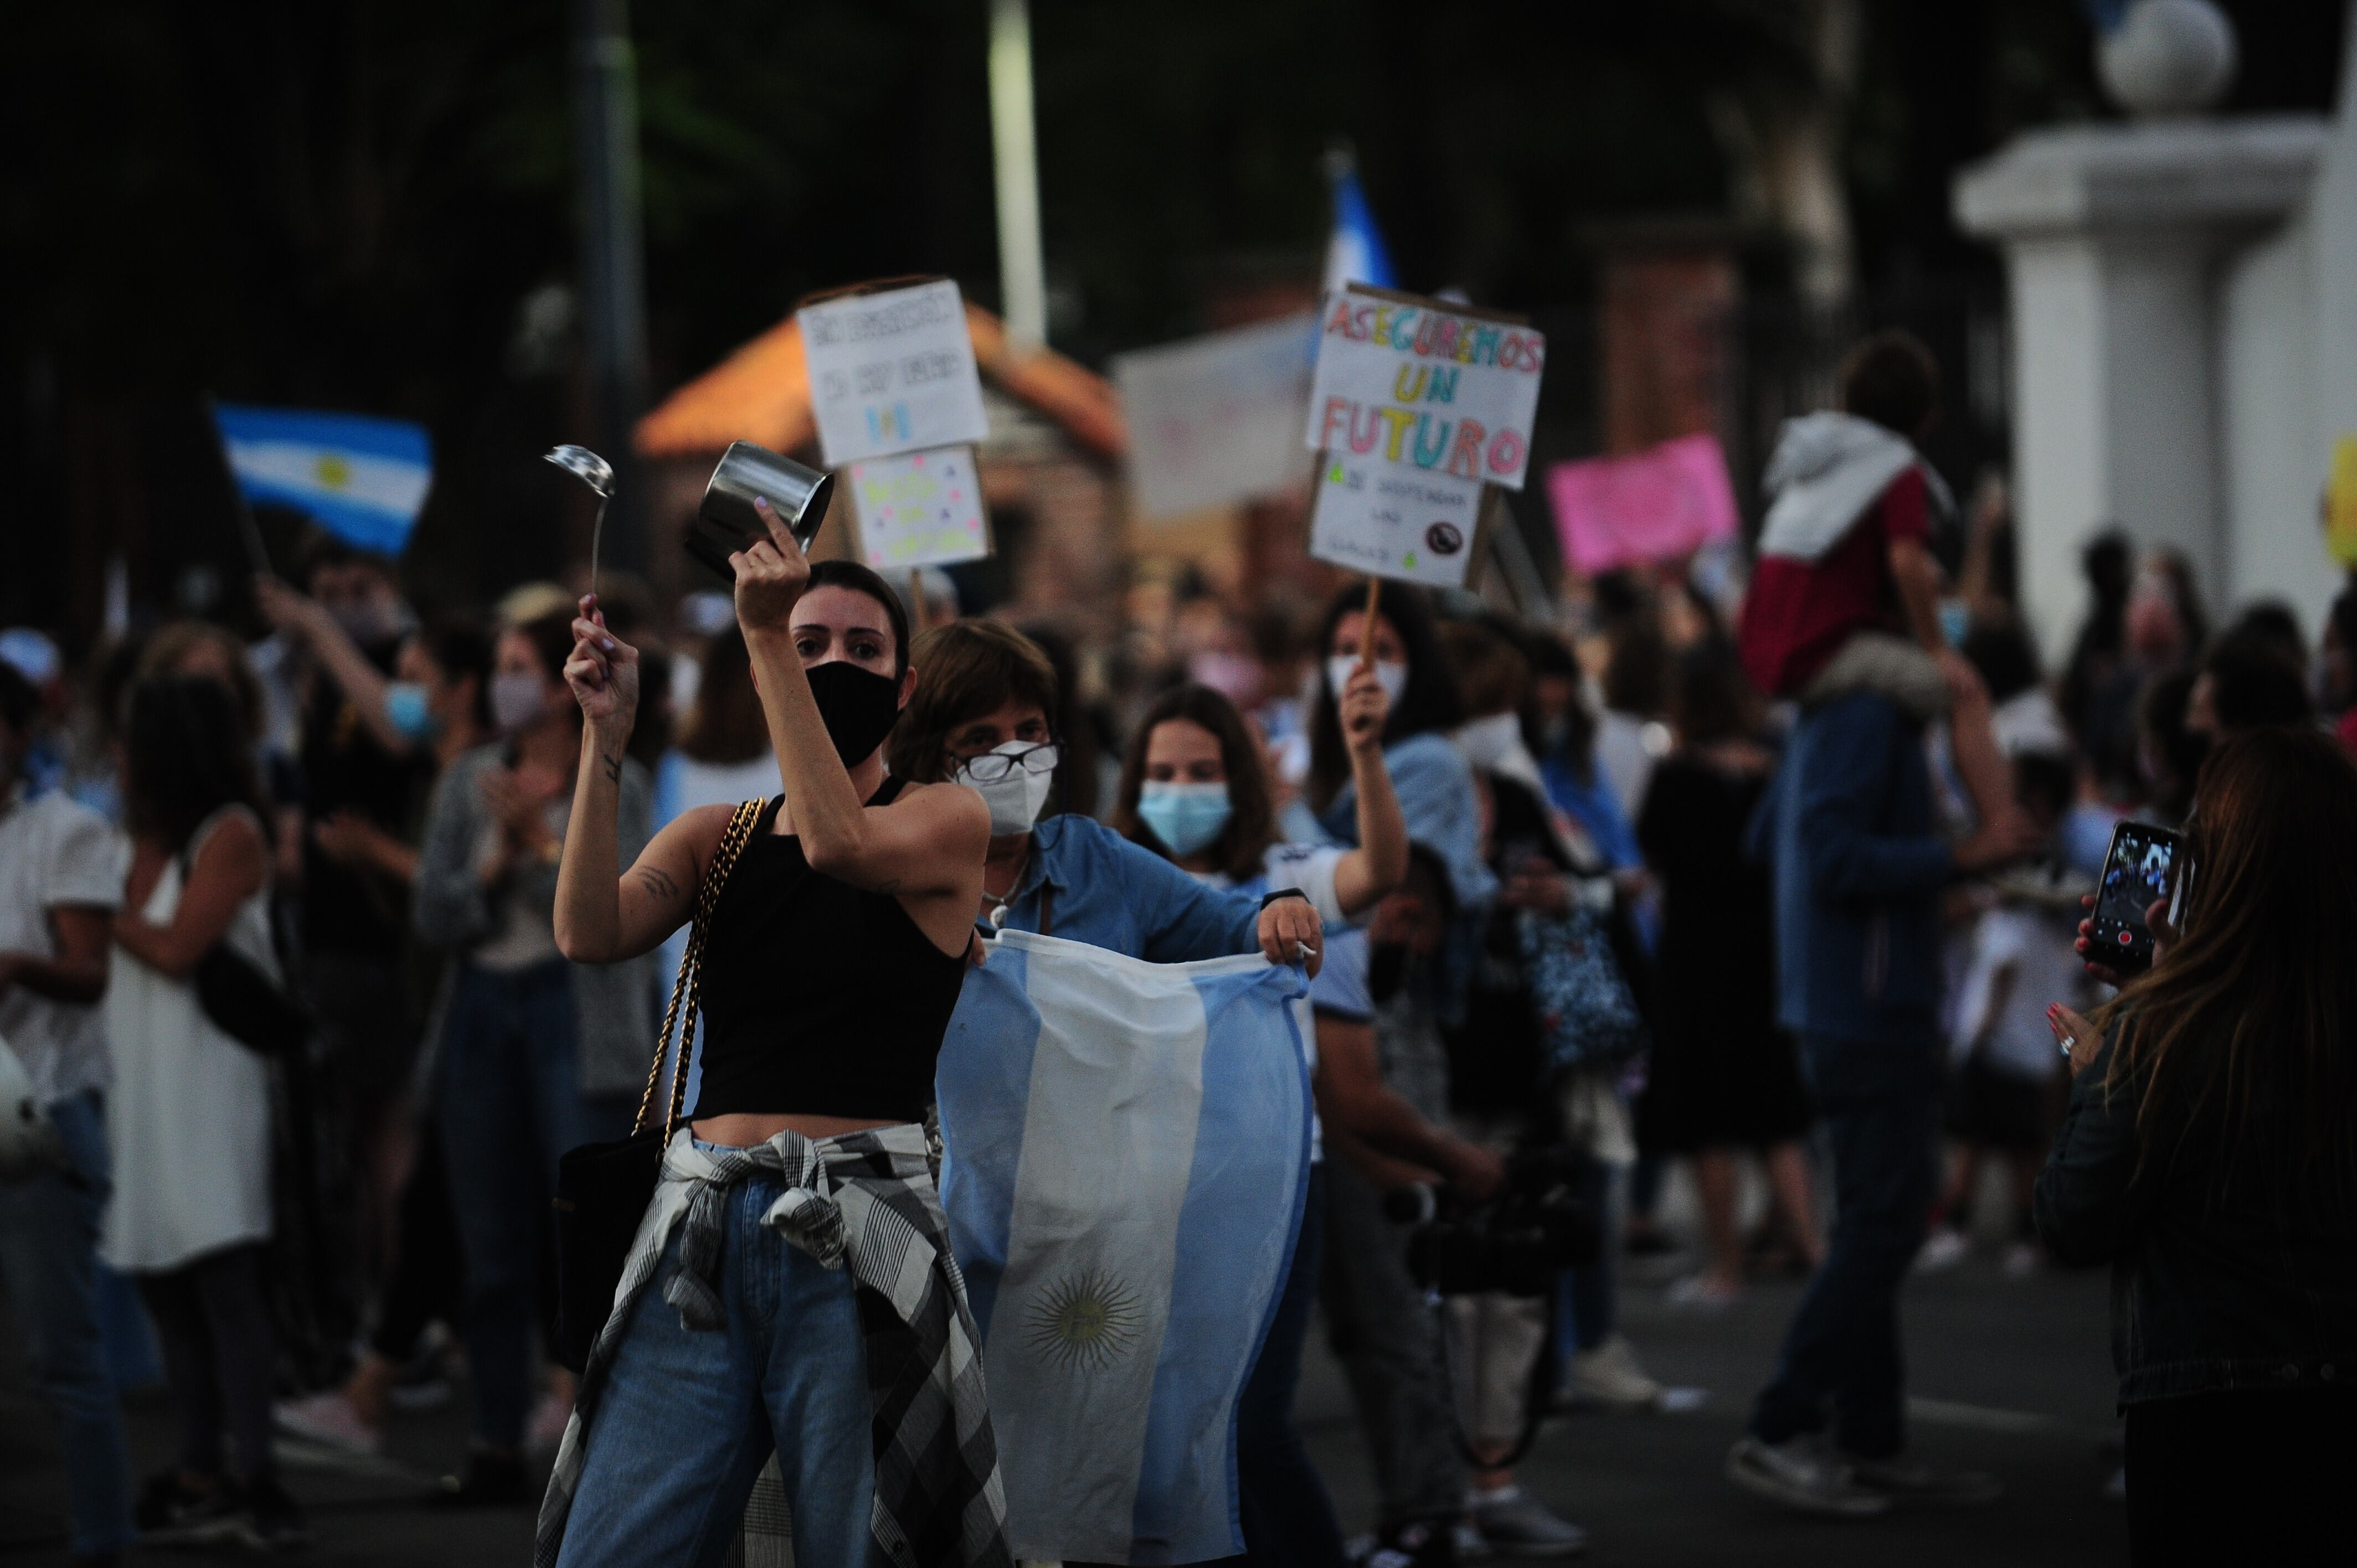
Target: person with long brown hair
{"type": "Point", "coordinates": [2210, 1156]}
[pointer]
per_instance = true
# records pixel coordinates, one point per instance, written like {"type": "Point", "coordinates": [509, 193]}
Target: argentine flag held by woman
{"type": "Point", "coordinates": [1126, 1151]}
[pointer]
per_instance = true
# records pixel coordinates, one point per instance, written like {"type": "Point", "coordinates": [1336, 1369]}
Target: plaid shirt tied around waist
{"type": "Point", "coordinates": [866, 1202]}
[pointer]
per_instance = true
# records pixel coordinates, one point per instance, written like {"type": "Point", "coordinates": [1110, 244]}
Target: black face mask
{"type": "Point", "coordinates": [1386, 970]}
{"type": "Point", "coordinates": [858, 705]}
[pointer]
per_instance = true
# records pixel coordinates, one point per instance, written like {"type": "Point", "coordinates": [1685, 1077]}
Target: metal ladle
{"type": "Point", "coordinates": [598, 475]}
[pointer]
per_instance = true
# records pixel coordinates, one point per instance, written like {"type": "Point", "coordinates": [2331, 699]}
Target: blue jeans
{"type": "Point", "coordinates": [510, 1106]}
{"type": "Point", "coordinates": [686, 1418]}
{"type": "Point", "coordinates": [1288, 1518]}
{"type": "Point", "coordinates": [49, 1260]}
{"type": "Point", "coordinates": [1880, 1103]}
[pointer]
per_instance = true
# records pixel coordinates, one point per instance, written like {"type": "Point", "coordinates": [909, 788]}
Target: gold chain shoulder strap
{"type": "Point", "coordinates": [689, 986]}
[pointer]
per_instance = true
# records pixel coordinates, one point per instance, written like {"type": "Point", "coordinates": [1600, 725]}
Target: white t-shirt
{"type": "Point", "coordinates": [2035, 944]}
{"type": "Point", "coordinates": [54, 852]}
{"type": "Point", "coordinates": [1309, 867]}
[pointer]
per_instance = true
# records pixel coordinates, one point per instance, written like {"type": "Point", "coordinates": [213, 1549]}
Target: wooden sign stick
{"type": "Point", "coordinates": [1367, 624]}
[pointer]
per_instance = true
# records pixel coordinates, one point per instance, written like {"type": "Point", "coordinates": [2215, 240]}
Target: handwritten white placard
{"type": "Point", "coordinates": [1389, 521]}
{"type": "Point", "coordinates": [1413, 382]}
{"type": "Point", "coordinates": [891, 372]}
{"type": "Point", "coordinates": [919, 509]}
{"type": "Point", "coordinates": [1216, 420]}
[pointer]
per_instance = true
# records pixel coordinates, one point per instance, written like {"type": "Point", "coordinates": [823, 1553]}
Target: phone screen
{"type": "Point", "coordinates": [2140, 871]}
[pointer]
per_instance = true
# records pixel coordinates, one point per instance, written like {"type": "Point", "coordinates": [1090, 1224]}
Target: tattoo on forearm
{"type": "Point", "coordinates": [613, 768]}
{"type": "Point", "coordinates": [658, 881]}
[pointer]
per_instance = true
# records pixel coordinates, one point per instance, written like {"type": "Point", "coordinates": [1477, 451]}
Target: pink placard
{"type": "Point", "coordinates": [1664, 502]}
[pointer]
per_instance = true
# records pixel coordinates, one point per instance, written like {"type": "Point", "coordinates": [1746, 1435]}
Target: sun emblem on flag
{"type": "Point", "coordinates": [1089, 1320]}
{"type": "Point", "coordinates": [333, 471]}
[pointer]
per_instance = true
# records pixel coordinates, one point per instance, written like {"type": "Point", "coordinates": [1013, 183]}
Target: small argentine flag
{"type": "Point", "coordinates": [1126, 1149]}
{"type": "Point", "coordinates": [1354, 252]}
{"type": "Point", "coordinates": [359, 478]}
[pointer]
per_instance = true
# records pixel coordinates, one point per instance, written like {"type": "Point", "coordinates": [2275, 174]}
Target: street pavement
{"type": "Point", "coordinates": [2006, 1375]}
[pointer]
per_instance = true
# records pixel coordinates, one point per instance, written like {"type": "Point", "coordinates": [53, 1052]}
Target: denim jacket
{"type": "Point", "coordinates": [1859, 863]}
{"type": "Point", "coordinates": [1087, 882]}
{"type": "Point", "coordinates": [2214, 1286]}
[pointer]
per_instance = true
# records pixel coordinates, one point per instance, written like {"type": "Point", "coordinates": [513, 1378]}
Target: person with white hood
{"type": "Point", "coordinates": [1846, 594]}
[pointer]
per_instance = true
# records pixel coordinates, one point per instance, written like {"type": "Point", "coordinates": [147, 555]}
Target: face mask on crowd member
{"type": "Point", "coordinates": [1392, 672]}
{"type": "Point", "coordinates": [519, 700]}
{"type": "Point", "coordinates": [410, 706]}
{"type": "Point", "coordinates": [1186, 817]}
{"type": "Point", "coordinates": [859, 706]}
{"type": "Point", "coordinates": [1013, 779]}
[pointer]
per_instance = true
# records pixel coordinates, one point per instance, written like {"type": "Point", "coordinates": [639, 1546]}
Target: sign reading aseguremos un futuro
{"type": "Point", "coordinates": [1419, 384]}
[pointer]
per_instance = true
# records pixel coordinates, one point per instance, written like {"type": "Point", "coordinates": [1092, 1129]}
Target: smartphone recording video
{"type": "Point", "coordinates": [2140, 871]}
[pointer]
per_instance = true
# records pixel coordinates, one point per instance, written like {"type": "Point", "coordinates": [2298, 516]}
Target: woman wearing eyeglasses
{"type": "Point", "coordinates": [979, 717]}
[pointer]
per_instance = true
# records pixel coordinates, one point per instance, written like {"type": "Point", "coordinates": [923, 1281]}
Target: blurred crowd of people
{"type": "Point", "coordinates": [365, 811]}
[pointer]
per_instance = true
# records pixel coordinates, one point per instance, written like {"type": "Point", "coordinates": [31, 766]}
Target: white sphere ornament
{"type": "Point", "coordinates": [2168, 56]}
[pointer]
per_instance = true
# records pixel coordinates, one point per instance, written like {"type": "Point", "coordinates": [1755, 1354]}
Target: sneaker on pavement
{"type": "Point", "coordinates": [425, 1380]}
{"type": "Point", "coordinates": [328, 1418]}
{"type": "Point", "coordinates": [1700, 1292]}
{"type": "Point", "coordinates": [276, 1519]}
{"type": "Point", "coordinates": [170, 1512]}
{"type": "Point", "coordinates": [1905, 1480]}
{"type": "Point", "coordinates": [1944, 1248]}
{"type": "Point", "coordinates": [1512, 1523]}
{"type": "Point", "coordinates": [1610, 1377]}
{"type": "Point", "coordinates": [489, 1480]}
{"type": "Point", "coordinates": [1801, 1473]}
{"type": "Point", "coordinates": [1420, 1543]}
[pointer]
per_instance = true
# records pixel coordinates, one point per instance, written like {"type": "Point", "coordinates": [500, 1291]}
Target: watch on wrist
{"type": "Point", "coordinates": [1283, 893]}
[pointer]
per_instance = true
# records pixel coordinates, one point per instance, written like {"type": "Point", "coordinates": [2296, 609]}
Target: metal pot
{"type": "Point", "coordinates": [798, 494]}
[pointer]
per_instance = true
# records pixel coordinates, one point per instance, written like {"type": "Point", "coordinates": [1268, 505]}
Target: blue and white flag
{"type": "Point", "coordinates": [1127, 1147]}
{"type": "Point", "coordinates": [359, 478]}
{"type": "Point", "coordinates": [1354, 252]}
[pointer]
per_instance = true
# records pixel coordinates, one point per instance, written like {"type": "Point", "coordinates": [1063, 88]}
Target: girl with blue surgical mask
{"type": "Point", "coordinates": [1196, 789]}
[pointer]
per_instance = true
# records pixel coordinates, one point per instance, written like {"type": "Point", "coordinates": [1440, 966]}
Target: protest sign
{"type": "Point", "coordinates": [919, 509]}
{"type": "Point", "coordinates": [1413, 382]}
{"type": "Point", "coordinates": [891, 372]}
{"type": "Point", "coordinates": [1665, 501]}
{"type": "Point", "coordinates": [1216, 420]}
{"type": "Point", "coordinates": [1393, 522]}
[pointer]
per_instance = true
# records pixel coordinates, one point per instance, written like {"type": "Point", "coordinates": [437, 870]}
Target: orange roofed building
{"type": "Point", "coordinates": [1049, 470]}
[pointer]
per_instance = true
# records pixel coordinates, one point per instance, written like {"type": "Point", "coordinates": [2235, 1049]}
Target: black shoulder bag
{"type": "Point", "coordinates": [603, 1189]}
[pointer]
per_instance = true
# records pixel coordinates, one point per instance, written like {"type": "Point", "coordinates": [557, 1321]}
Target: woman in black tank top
{"type": "Point", "coordinates": [796, 1234]}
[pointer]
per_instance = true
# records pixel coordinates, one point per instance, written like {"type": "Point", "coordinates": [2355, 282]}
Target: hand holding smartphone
{"type": "Point", "coordinates": [2145, 868]}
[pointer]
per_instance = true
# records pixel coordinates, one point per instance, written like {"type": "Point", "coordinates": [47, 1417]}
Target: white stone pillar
{"type": "Point", "coordinates": [2114, 237]}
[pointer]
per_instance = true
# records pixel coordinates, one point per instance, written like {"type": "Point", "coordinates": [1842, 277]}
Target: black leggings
{"type": "Point", "coordinates": [2250, 1475]}
{"type": "Point", "coordinates": [212, 1318]}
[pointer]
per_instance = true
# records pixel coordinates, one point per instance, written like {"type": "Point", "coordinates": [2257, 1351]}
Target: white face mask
{"type": "Point", "coordinates": [1392, 672]}
{"type": "Point", "coordinates": [1488, 742]}
{"type": "Point", "coordinates": [1015, 796]}
{"type": "Point", "coordinates": [518, 699]}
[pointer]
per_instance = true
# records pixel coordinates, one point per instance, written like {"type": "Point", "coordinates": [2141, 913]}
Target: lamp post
{"type": "Point", "coordinates": [1022, 266]}
{"type": "Point", "coordinates": [613, 261]}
